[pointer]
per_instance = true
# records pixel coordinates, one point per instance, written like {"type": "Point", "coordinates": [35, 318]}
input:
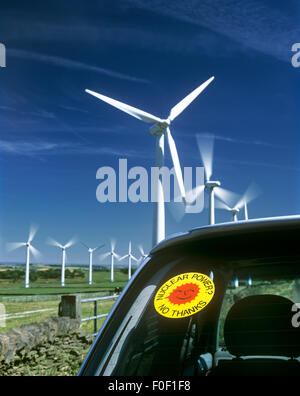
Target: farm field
{"type": "Point", "coordinates": [12, 281]}
{"type": "Point", "coordinates": [41, 300]}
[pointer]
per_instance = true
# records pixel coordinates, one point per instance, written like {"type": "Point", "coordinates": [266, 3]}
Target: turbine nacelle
{"type": "Point", "coordinates": [234, 211]}
{"type": "Point", "coordinates": [212, 184]}
{"type": "Point", "coordinates": [160, 127]}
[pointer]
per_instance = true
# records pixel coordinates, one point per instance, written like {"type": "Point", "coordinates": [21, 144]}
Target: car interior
{"type": "Point", "coordinates": [251, 327]}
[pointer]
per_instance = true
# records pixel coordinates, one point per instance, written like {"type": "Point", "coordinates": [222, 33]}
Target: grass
{"type": "Point", "coordinates": [45, 294]}
{"type": "Point", "coordinates": [101, 282]}
{"type": "Point", "coordinates": [18, 307]}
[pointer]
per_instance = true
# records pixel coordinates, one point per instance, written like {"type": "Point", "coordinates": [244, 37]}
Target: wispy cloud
{"type": "Point", "coordinates": [40, 113]}
{"type": "Point", "coordinates": [254, 142]}
{"type": "Point", "coordinates": [70, 64]}
{"type": "Point", "coordinates": [252, 24]}
{"type": "Point", "coordinates": [46, 148]}
{"type": "Point", "coordinates": [257, 164]}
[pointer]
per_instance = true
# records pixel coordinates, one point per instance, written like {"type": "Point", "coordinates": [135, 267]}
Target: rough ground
{"type": "Point", "coordinates": [60, 357]}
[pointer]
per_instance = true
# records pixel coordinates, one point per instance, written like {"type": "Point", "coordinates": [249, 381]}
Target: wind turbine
{"type": "Point", "coordinates": [160, 129]}
{"type": "Point", "coordinates": [63, 248]}
{"type": "Point", "coordinates": [251, 193]}
{"type": "Point", "coordinates": [143, 254]}
{"type": "Point", "coordinates": [91, 251]}
{"type": "Point", "coordinates": [206, 146]}
{"type": "Point", "coordinates": [112, 255]}
{"type": "Point", "coordinates": [29, 249]}
{"type": "Point", "coordinates": [130, 258]}
{"type": "Point", "coordinates": [233, 210]}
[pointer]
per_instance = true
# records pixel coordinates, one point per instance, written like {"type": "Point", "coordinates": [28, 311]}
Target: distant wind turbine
{"type": "Point", "coordinates": [130, 257]}
{"type": "Point", "coordinates": [143, 254]}
{"type": "Point", "coordinates": [29, 249]}
{"type": "Point", "coordinates": [160, 129]}
{"type": "Point", "coordinates": [63, 248]}
{"type": "Point", "coordinates": [112, 254]}
{"type": "Point", "coordinates": [251, 193]}
{"type": "Point", "coordinates": [206, 148]}
{"type": "Point", "coordinates": [91, 251]}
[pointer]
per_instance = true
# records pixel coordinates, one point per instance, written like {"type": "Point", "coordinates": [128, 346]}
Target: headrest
{"type": "Point", "coordinates": [262, 325]}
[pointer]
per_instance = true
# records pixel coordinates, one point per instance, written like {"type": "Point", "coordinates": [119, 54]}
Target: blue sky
{"type": "Point", "coordinates": [149, 54]}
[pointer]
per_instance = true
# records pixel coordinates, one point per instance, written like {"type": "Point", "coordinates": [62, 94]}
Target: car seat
{"type": "Point", "coordinates": [258, 332]}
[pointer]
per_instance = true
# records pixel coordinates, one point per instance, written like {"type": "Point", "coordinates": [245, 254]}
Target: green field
{"type": "Point", "coordinates": [13, 284]}
{"type": "Point", "coordinates": [45, 294]}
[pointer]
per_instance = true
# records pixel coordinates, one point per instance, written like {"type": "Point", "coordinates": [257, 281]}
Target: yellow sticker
{"type": "Point", "coordinates": [184, 295]}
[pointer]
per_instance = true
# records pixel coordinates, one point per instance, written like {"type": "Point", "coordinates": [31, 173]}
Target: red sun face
{"type": "Point", "coordinates": [184, 294]}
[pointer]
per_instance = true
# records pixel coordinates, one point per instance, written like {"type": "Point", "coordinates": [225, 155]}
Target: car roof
{"type": "Point", "coordinates": [238, 228]}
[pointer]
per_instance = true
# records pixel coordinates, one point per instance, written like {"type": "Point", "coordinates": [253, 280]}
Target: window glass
{"type": "Point", "coordinates": [160, 330]}
{"type": "Point", "coordinates": [250, 286]}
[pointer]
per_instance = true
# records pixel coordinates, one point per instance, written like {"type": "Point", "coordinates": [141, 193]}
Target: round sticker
{"type": "Point", "coordinates": [184, 295]}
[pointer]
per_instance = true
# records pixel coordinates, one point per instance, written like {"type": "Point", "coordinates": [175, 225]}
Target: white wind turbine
{"type": "Point", "coordinates": [130, 257]}
{"type": "Point", "coordinates": [206, 146]}
{"type": "Point", "coordinates": [160, 129]}
{"type": "Point", "coordinates": [29, 249]}
{"type": "Point", "coordinates": [251, 193]}
{"type": "Point", "coordinates": [143, 254]}
{"type": "Point", "coordinates": [112, 254]}
{"type": "Point", "coordinates": [64, 255]}
{"type": "Point", "coordinates": [91, 251]}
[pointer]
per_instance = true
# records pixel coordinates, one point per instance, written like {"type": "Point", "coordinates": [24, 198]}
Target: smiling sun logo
{"type": "Point", "coordinates": [184, 295]}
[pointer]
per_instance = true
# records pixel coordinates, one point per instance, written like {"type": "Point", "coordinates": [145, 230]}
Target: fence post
{"type": "Point", "coordinates": [70, 306]}
{"type": "Point", "coordinates": [2, 315]}
{"type": "Point", "coordinates": [95, 314]}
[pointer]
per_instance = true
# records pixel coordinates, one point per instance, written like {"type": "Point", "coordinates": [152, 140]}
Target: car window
{"type": "Point", "coordinates": [159, 332]}
{"type": "Point", "coordinates": [240, 288]}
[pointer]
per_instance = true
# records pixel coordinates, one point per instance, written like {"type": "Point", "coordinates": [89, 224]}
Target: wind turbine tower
{"type": "Point", "coordinates": [63, 249]}
{"type": "Point", "coordinates": [91, 251]}
{"type": "Point", "coordinates": [29, 249]}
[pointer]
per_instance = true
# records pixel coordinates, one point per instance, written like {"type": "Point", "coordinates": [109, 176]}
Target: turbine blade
{"type": "Point", "coordinates": [124, 257]}
{"type": "Point", "coordinates": [193, 194]}
{"type": "Point", "coordinates": [117, 256]}
{"type": "Point", "coordinates": [99, 247]}
{"type": "Point", "coordinates": [177, 210]}
{"type": "Point", "coordinates": [70, 243]}
{"type": "Point", "coordinates": [252, 192]}
{"type": "Point", "coordinates": [14, 245]}
{"type": "Point", "coordinates": [104, 256]}
{"type": "Point", "coordinates": [176, 163]}
{"type": "Point", "coordinates": [36, 253]}
{"type": "Point", "coordinates": [32, 232]}
{"type": "Point", "coordinates": [53, 242]}
{"type": "Point", "coordinates": [134, 258]}
{"type": "Point", "coordinates": [113, 244]}
{"type": "Point", "coordinates": [206, 149]}
{"type": "Point", "coordinates": [226, 196]}
{"type": "Point", "coordinates": [140, 247]}
{"type": "Point", "coordinates": [184, 103]}
{"type": "Point", "coordinates": [221, 205]}
{"type": "Point", "coordinates": [134, 112]}
{"type": "Point", "coordinates": [84, 244]}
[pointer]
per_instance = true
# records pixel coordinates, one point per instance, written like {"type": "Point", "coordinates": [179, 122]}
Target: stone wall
{"type": "Point", "coordinates": [19, 342]}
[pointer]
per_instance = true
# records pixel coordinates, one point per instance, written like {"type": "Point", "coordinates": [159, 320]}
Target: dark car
{"type": "Point", "coordinates": [220, 300]}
